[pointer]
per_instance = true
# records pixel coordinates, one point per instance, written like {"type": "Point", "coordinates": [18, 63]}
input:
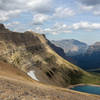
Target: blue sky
{"type": "Point", "coordinates": [57, 19]}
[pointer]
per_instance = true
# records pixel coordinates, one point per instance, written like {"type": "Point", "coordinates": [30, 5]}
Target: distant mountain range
{"type": "Point", "coordinates": [91, 59]}
{"type": "Point", "coordinates": [71, 47]}
{"type": "Point", "coordinates": [79, 53]}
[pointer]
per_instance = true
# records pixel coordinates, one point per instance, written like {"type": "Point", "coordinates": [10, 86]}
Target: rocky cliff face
{"type": "Point", "coordinates": [31, 53]}
{"type": "Point", "coordinates": [93, 56]}
{"type": "Point", "coordinates": [90, 59]}
{"type": "Point", "coordinates": [2, 27]}
{"type": "Point", "coordinates": [94, 48]}
{"type": "Point", "coordinates": [80, 54]}
{"type": "Point", "coordinates": [71, 47]}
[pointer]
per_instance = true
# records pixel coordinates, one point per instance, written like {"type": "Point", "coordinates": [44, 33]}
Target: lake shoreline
{"type": "Point", "coordinates": [72, 86]}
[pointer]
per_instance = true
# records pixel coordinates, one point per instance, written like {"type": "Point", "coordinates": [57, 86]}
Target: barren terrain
{"type": "Point", "coordinates": [18, 86]}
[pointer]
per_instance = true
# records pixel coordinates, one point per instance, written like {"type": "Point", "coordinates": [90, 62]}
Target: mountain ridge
{"type": "Point", "coordinates": [87, 59]}
{"type": "Point", "coordinates": [31, 51]}
{"type": "Point", "coordinates": [71, 47]}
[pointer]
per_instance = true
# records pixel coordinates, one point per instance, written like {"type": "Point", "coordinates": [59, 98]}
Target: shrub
{"type": "Point", "coordinates": [50, 74]}
{"type": "Point", "coordinates": [51, 59]}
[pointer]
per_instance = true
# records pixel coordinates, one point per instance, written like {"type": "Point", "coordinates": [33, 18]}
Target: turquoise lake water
{"type": "Point", "coordinates": [88, 89]}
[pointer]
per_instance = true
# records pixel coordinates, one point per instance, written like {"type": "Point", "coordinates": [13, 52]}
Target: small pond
{"type": "Point", "coordinates": [88, 89]}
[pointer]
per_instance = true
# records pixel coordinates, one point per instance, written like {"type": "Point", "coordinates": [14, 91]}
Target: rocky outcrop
{"type": "Point", "coordinates": [2, 27]}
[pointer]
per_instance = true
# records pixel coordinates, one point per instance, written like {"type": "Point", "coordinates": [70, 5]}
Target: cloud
{"type": "Point", "coordinates": [85, 7]}
{"type": "Point", "coordinates": [66, 29]}
{"type": "Point", "coordinates": [24, 4]}
{"type": "Point", "coordinates": [8, 8]}
{"type": "Point", "coordinates": [96, 13]}
{"type": "Point", "coordinates": [39, 19]}
{"type": "Point", "coordinates": [5, 15]}
{"type": "Point", "coordinates": [86, 26]}
{"type": "Point", "coordinates": [90, 2]}
{"type": "Point", "coordinates": [58, 29]}
{"type": "Point", "coordinates": [18, 26]}
{"type": "Point", "coordinates": [40, 6]}
{"type": "Point", "coordinates": [59, 12]}
{"type": "Point", "coordinates": [63, 28]}
{"type": "Point", "coordinates": [8, 25]}
{"type": "Point", "coordinates": [63, 12]}
{"type": "Point", "coordinates": [55, 30]}
{"type": "Point", "coordinates": [90, 5]}
{"type": "Point", "coordinates": [14, 26]}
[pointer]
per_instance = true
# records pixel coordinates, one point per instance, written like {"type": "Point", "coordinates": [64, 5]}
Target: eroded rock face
{"type": "Point", "coordinates": [94, 48]}
{"type": "Point", "coordinates": [90, 59]}
{"type": "Point", "coordinates": [2, 27]}
{"type": "Point", "coordinates": [20, 48]}
{"type": "Point", "coordinates": [71, 47]}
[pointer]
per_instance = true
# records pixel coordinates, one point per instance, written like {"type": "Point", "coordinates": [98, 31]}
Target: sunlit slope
{"type": "Point", "coordinates": [16, 85]}
{"type": "Point", "coordinates": [11, 72]}
{"type": "Point", "coordinates": [30, 51]}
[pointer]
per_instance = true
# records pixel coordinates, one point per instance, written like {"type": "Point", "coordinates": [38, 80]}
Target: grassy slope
{"type": "Point", "coordinates": [8, 70]}
{"type": "Point", "coordinates": [79, 75]}
{"type": "Point", "coordinates": [93, 78]}
{"type": "Point", "coordinates": [16, 85]}
{"type": "Point", "coordinates": [50, 68]}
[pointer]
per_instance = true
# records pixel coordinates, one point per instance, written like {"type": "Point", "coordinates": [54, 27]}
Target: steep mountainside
{"type": "Point", "coordinates": [31, 53]}
{"type": "Point", "coordinates": [16, 85]}
{"type": "Point", "coordinates": [86, 57]}
{"type": "Point", "coordinates": [95, 48]}
{"type": "Point", "coordinates": [91, 59]}
{"type": "Point", "coordinates": [57, 49]}
{"type": "Point", "coordinates": [71, 47]}
{"type": "Point", "coordinates": [10, 71]}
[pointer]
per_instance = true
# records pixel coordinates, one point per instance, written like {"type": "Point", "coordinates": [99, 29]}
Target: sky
{"type": "Point", "coordinates": [57, 19]}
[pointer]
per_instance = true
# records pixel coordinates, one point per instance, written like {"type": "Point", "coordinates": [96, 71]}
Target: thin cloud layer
{"type": "Point", "coordinates": [10, 8]}
{"type": "Point", "coordinates": [90, 2]}
{"type": "Point", "coordinates": [38, 5]}
{"type": "Point", "coordinates": [39, 19]}
{"type": "Point", "coordinates": [86, 26]}
{"type": "Point", "coordinates": [90, 5]}
{"type": "Point", "coordinates": [62, 12]}
{"type": "Point", "coordinates": [59, 28]}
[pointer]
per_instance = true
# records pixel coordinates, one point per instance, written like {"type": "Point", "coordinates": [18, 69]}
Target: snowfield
{"type": "Point", "coordinates": [32, 75]}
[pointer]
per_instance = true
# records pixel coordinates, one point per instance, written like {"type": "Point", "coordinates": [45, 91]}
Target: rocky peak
{"type": "Point", "coordinates": [2, 27]}
{"type": "Point", "coordinates": [97, 43]}
{"type": "Point", "coordinates": [94, 48]}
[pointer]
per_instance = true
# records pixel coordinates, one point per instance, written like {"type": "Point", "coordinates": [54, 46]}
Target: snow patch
{"type": "Point", "coordinates": [32, 75]}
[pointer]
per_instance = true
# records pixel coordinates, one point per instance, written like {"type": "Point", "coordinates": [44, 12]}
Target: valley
{"type": "Point", "coordinates": [86, 56]}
